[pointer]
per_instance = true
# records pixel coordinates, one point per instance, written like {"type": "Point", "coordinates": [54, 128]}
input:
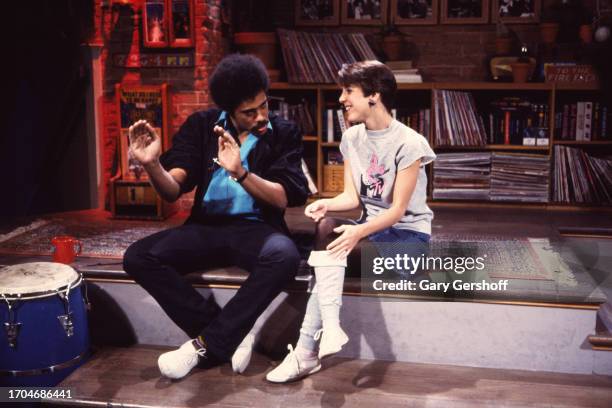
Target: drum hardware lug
{"type": "Point", "coordinates": [86, 296]}
{"type": "Point", "coordinates": [66, 319]}
{"type": "Point", "coordinates": [12, 332]}
{"type": "Point", "coordinates": [67, 324]}
{"type": "Point", "coordinates": [12, 328]}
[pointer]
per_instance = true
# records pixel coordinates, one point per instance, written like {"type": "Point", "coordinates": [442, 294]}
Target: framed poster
{"type": "Point", "coordinates": [148, 102]}
{"type": "Point", "coordinates": [180, 16]}
{"type": "Point", "coordinates": [516, 11]}
{"type": "Point", "coordinates": [363, 12]}
{"type": "Point", "coordinates": [317, 12]}
{"type": "Point", "coordinates": [464, 12]}
{"type": "Point", "coordinates": [154, 24]}
{"type": "Point", "coordinates": [604, 7]}
{"type": "Point", "coordinates": [409, 12]}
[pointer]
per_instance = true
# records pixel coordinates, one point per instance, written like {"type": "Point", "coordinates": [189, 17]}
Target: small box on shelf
{"type": "Point", "coordinates": [333, 178]}
{"type": "Point", "coordinates": [138, 200]}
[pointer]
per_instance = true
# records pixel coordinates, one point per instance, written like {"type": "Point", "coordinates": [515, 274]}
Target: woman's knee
{"type": "Point", "coordinates": [324, 232]}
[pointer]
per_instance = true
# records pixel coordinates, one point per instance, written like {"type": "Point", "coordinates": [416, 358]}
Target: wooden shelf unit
{"type": "Point", "coordinates": [495, 147]}
{"type": "Point", "coordinates": [547, 91]}
{"type": "Point", "coordinates": [582, 143]}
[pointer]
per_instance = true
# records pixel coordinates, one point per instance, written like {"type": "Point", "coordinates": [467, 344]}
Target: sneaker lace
{"type": "Point", "coordinates": [293, 358]}
{"type": "Point", "coordinates": [200, 352]}
{"type": "Point", "coordinates": [318, 334]}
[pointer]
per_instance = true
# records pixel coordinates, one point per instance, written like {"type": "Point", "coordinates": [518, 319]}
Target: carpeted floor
{"type": "Point", "coordinates": [516, 258]}
{"type": "Point", "coordinates": [99, 238]}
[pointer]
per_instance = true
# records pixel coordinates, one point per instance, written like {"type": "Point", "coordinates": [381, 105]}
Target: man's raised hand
{"type": "Point", "coordinates": [229, 152]}
{"type": "Point", "coordinates": [145, 143]}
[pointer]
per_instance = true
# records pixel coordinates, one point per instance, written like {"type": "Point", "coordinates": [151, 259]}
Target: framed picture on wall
{"type": "Point", "coordinates": [464, 12]}
{"type": "Point", "coordinates": [363, 12]}
{"type": "Point", "coordinates": [148, 102]}
{"type": "Point", "coordinates": [154, 24]}
{"type": "Point", "coordinates": [180, 16]}
{"type": "Point", "coordinates": [605, 6]}
{"type": "Point", "coordinates": [317, 12]}
{"type": "Point", "coordinates": [408, 12]}
{"type": "Point", "coordinates": [516, 11]}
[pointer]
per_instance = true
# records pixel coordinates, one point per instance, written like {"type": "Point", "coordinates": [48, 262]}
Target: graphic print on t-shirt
{"type": "Point", "coordinates": [372, 183]}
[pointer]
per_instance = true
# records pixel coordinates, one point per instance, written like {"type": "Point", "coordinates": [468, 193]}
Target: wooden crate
{"type": "Point", "coordinates": [138, 200]}
{"type": "Point", "coordinates": [333, 178]}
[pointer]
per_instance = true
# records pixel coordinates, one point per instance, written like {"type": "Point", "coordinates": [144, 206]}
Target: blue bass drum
{"type": "Point", "coordinates": [44, 335]}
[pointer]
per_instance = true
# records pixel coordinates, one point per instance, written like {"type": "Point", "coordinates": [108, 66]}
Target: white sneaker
{"type": "Point", "coordinates": [242, 355]}
{"type": "Point", "coordinates": [178, 363]}
{"type": "Point", "coordinates": [332, 340]}
{"type": "Point", "coordinates": [293, 368]}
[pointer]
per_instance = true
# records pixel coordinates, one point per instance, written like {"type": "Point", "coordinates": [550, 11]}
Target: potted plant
{"type": "Point", "coordinates": [549, 27]}
{"type": "Point", "coordinates": [569, 14]}
{"type": "Point", "coordinates": [256, 34]}
{"type": "Point", "coordinates": [503, 39]}
{"type": "Point", "coordinates": [585, 30]}
{"type": "Point", "coordinates": [393, 42]}
{"type": "Point", "coordinates": [521, 69]}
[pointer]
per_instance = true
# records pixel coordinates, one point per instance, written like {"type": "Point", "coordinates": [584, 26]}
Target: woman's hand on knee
{"type": "Point", "coordinates": [316, 210]}
{"type": "Point", "coordinates": [344, 244]}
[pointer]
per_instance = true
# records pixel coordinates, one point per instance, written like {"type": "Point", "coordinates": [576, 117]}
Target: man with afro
{"type": "Point", "coordinates": [246, 168]}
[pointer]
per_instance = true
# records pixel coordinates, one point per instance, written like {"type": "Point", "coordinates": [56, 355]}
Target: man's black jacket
{"type": "Point", "coordinates": [276, 157]}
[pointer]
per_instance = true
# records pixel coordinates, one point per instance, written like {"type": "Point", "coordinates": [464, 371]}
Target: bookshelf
{"type": "Point", "coordinates": [421, 96]}
{"type": "Point", "coordinates": [493, 147]}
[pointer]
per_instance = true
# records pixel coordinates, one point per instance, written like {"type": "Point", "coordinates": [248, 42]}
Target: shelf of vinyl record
{"type": "Point", "coordinates": [512, 150]}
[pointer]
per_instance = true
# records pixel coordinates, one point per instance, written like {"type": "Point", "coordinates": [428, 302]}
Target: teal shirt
{"type": "Point", "coordinates": [224, 196]}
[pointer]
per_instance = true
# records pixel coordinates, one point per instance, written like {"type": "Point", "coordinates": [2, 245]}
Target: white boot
{"type": "Point", "coordinates": [329, 275]}
{"type": "Point", "coordinates": [311, 323]}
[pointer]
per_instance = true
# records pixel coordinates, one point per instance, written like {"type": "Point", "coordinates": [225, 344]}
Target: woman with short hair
{"type": "Point", "coordinates": [384, 172]}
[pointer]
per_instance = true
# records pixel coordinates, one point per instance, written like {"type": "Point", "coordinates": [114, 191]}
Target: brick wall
{"type": "Point", "coordinates": [118, 31]}
{"type": "Point", "coordinates": [459, 52]}
{"type": "Point", "coordinates": [441, 52]}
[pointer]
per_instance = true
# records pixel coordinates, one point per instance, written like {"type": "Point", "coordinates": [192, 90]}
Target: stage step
{"type": "Point", "coordinates": [523, 333]}
{"type": "Point", "coordinates": [128, 377]}
{"type": "Point", "coordinates": [476, 334]}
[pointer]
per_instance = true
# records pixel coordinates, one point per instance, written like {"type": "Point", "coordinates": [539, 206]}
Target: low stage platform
{"type": "Point", "coordinates": [548, 334]}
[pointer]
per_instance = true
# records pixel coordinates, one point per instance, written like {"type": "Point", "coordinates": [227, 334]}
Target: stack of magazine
{"type": "Point", "coordinates": [404, 72]}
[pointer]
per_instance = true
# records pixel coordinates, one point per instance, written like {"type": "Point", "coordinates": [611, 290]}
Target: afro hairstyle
{"type": "Point", "coordinates": [237, 78]}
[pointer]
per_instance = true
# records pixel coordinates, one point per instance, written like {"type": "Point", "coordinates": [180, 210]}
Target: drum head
{"type": "Point", "coordinates": [35, 277]}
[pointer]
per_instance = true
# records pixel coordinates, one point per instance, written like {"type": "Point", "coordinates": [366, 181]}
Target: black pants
{"type": "Point", "coordinates": [158, 262]}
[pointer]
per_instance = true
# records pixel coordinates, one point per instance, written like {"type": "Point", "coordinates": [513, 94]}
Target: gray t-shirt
{"type": "Point", "coordinates": [376, 157]}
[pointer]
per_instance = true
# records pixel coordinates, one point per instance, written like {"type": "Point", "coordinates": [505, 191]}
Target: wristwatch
{"type": "Point", "coordinates": [240, 179]}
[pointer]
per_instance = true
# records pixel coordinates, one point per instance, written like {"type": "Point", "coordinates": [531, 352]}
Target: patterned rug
{"type": "Point", "coordinates": [506, 258]}
{"type": "Point", "coordinates": [99, 238]}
